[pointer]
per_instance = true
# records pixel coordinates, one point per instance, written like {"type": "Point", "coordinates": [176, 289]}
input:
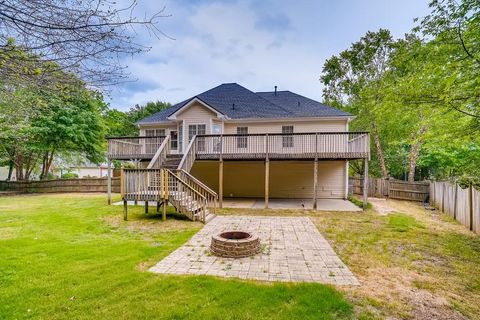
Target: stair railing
{"type": "Point", "coordinates": [199, 186]}
{"type": "Point", "coordinates": [187, 200]}
{"type": "Point", "coordinates": [189, 157]}
{"type": "Point", "coordinates": [160, 155]}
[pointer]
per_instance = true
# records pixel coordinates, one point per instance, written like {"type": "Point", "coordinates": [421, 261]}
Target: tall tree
{"type": "Point", "coordinates": [121, 123]}
{"type": "Point", "coordinates": [84, 37]}
{"type": "Point", "coordinates": [347, 75]}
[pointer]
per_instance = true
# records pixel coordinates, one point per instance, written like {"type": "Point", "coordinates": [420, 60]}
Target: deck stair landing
{"type": "Point", "coordinates": [172, 161]}
{"type": "Point", "coordinates": [187, 194]}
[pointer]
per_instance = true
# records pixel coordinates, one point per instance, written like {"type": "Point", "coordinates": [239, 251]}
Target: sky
{"type": "Point", "coordinates": [258, 44]}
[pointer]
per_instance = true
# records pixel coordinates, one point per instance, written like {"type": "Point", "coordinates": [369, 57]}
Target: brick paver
{"type": "Point", "coordinates": [292, 250]}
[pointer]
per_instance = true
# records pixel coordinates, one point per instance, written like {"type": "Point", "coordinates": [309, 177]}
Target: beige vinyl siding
{"type": "Point", "coordinates": [196, 114]}
{"type": "Point", "coordinates": [288, 179]}
{"type": "Point", "coordinates": [298, 126]}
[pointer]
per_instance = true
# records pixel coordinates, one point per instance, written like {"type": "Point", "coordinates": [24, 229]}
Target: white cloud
{"type": "Point", "coordinates": [256, 46]}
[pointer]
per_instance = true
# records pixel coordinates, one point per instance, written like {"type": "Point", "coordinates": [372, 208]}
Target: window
{"type": "Point", "coordinates": [154, 132]}
{"type": "Point", "coordinates": [152, 144]}
{"type": "Point", "coordinates": [195, 130]}
{"type": "Point", "coordinates": [173, 140]}
{"type": "Point", "coordinates": [242, 141]}
{"type": "Point", "coordinates": [287, 139]}
{"type": "Point", "coordinates": [180, 138]}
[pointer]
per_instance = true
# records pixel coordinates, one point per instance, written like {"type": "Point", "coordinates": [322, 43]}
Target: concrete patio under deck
{"type": "Point", "coordinates": [252, 203]}
{"type": "Point", "coordinates": [322, 204]}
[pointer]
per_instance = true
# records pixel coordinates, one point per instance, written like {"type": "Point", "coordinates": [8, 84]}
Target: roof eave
{"type": "Point", "coordinates": [306, 118]}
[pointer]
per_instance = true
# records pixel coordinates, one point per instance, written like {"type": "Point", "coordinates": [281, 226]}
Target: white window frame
{"type": "Point", "coordinates": [287, 139]}
{"type": "Point", "coordinates": [242, 141]}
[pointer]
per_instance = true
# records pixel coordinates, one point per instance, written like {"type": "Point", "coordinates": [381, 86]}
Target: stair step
{"type": "Point", "coordinates": [174, 156]}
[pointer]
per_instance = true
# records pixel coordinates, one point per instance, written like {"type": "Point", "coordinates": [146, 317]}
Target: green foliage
{"type": "Point", "coordinates": [358, 202]}
{"type": "Point", "coordinates": [69, 175]}
{"type": "Point", "coordinates": [121, 123]}
{"type": "Point", "coordinates": [41, 116]}
{"type": "Point", "coordinates": [420, 93]}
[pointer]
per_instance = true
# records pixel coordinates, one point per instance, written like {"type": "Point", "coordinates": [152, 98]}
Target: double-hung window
{"type": "Point", "coordinates": [287, 136]}
{"type": "Point", "coordinates": [152, 144]}
{"type": "Point", "coordinates": [242, 142]}
{"type": "Point", "coordinates": [195, 130]}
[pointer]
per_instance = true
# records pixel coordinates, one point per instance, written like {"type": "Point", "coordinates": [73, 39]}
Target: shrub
{"type": "Point", "coordinates": [69, 175]}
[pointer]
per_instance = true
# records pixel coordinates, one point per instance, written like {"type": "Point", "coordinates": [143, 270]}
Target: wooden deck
{"type": "Point", "coordinates": [277, 146]}
{"type": "Point", "coordinates": [129, 148]}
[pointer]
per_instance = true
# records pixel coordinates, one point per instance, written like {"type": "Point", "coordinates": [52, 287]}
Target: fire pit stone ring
{"type": "Point", "coordinates": [235, 244]}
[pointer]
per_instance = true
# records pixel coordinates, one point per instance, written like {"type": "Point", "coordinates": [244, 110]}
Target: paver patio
{"type": "Point", "coordinates": [293, 250]}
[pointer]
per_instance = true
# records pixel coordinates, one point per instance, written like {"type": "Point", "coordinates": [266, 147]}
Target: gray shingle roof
{"type": "Point", "coordinates": [300, 106]}
{"type": "Point", "coordinates": [237, 102]}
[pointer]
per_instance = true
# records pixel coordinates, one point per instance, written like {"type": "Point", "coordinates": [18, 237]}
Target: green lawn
{"type": "Point", "coordinates": [72, 257]}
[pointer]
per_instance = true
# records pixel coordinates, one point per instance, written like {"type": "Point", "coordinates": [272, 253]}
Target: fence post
{"type": "Point", "coordinates": [470, 203]}
{"type": "Point", "coordinates": [443, 196]}
{"type": "Point", "coordinates": [122, 184]}
{"type": "Point", "coordinates": [109, 182]}
{"type": "Point", "coordinates": [365, 184]}
{"type": "Point", "coordinates": [455, 193]}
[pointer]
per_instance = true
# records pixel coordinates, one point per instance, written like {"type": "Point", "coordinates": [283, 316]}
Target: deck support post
{"type": "Point", "coordinates": [146, 206]}
{"type": "Point", "coordinates": [125, 210]}
{"type": "Point", "coordinates": [166, 189]}
{"type": "Point", "coordinates": [267, 181]}
{"type": "Point", "coordinates": [220, 184]}
{"type": "Point", "coordinates": [109, 182]}
{"type": "Point", "coordinates": [365, 184]}
{"type": "Point", "coordinates": [164, 213]}
{"type": "Point", "coordinates": [315, 183]}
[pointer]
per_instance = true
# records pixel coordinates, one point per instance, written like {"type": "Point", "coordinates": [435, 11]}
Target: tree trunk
{"type": "Point", "coordinates": [10, 170]}
{"type": "Point", "coordinates": [414, 152]}
{"type": "Point", "coordinates": [47, 163]}
{"type": "Point", "coordinates": [19, 166]}
{"type": "Point", "coordinates": [378, 146]}
{"type": "Point", "coordinates": [31, 163]}
{"type": "Point", "coordinates": [45, 166]}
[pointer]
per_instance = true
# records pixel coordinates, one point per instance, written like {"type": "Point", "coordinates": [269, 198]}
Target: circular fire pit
{"type": "Point", "coordinates": [235, 244]}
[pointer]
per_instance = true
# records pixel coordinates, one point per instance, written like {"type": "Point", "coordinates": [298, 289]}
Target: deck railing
{"type": "Point", "coordinates": [142, 184]}
{"type": "Point", "coordinates": [133, 147]}
{"type": "Point", "coordinates": [210, 195]}
{"type": "Point", "coordinates": [189, 156]}
{"type": "Point", "coordinates": [325, 145]}
{"type": "Point", "coordinates": [161, 155]}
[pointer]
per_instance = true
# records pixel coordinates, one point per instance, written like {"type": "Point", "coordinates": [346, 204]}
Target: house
{"type": "Point", "coordinates": [239, 143]}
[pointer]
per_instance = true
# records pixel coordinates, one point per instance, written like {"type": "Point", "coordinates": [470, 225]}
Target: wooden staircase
{"type": "Point", "coordinates": [164, 181]}
{"type": "Point", "coordinates": [191, 198]}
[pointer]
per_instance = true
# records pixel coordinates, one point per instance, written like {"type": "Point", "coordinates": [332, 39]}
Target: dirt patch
{"type": "Point", "coordinates": [397, 286]}
{"type": "Point", "coordinates": [382, 206]}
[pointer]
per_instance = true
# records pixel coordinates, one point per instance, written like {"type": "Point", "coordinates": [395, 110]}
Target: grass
{"type": "Point", "coordinates": [72, 257]}
{"type": "Point", "coordinates": [412, 263]}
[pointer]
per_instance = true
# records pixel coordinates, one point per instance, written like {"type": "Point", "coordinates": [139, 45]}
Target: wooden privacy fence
{"type": "Point", "coordinates": [61, 185]}
{"type": "Point", "coordinates": [390, 188]}
{"type": "Point", "coordinates": [462, 204]}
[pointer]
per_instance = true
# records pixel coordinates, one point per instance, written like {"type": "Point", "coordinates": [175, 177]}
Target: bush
{"type": "Point", "coordinates": [69, 175]}
{"type": "Point", "coordinates": [51, 176]}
